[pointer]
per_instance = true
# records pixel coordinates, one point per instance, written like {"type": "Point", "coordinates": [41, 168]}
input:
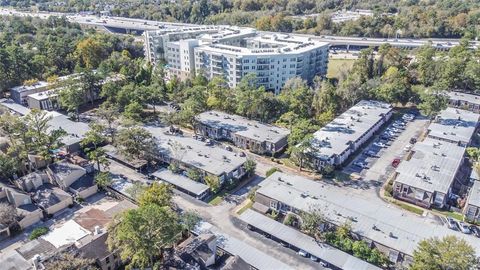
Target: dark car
{"type": "Point", "coordinates": [475, 230]}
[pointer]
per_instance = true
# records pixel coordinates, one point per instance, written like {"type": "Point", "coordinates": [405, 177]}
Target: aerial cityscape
{"type": "Point", "coordinates": [239, 134]}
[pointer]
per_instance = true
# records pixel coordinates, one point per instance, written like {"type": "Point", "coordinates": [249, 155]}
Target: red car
{"type": "Point", "coordinates": [395, 162]}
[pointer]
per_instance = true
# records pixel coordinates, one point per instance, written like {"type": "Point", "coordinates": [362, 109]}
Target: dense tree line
{"type": "Point", "coordinates": [34, 49]}
{"type": "Point", "coordinates": [442, 18]}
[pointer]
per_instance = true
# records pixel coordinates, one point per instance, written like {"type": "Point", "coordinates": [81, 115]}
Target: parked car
{"type": "Point", "coordinates": [397, 126]}
{"type": "Point", "coordinates": [396, 162]}
{"type": "Point", "coordinates": [452, 224]}
{"type": "Point", "coordinates": [370, 153]}
{"type": "Point", "coordinates": [380, 144]}
{"type": "Point", "coordinates": [413, 140]}
{"type": "Point", "coordinates": [360, 164]}
{"type": "Point", "coordinates": [464, 228]}
{"type": "Point", "coordinates": [408, 117]}
{"type": "Point", "coordinates": [408, 147]}
{"type": "Point", "coordinates": [400, 123]}
{"type": "Point", "coordinates": [313, 258]}
{"type": "Point", "coordinates": [385, 136]}
{"type": "Point", "coordinates": [475, 230]}
{"type": "Point", "coordinates": [303, 253]}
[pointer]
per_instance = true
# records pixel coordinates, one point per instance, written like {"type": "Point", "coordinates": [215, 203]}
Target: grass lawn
{"type": "Point", "coordinates": [335, 65]}
{"type": "Point", "coordinates": [409, 207]}
{"type": "Point", "coordinates": [451, 214]}
{"type": "Point", "coordinates": [218, 198]}
{"type": "Point", "coordinates": [341, 176]}
{"type": "Point", "coordinates": [245, 207]}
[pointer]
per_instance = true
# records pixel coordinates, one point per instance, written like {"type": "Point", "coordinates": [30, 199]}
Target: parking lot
{"type": "Point", "coordinates": [373, 164]}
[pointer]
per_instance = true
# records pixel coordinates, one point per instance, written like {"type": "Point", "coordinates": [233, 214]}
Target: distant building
{"type": "Point", "coordinates": [233, 52]}
{"type": "Point", "coordinates": [464, 101]}
{"type": "Point", "coordinates": [347, 133]}
{"type": "Point", "coordinates": [72, 178]}
{"type": "Point", "coordinates": [247, 134]}
{"type": "Point", "coordinates": [199, 250]}
{"type": "Point", "coordinates": [47, 101]}
{"type": "Point", "coordinates": [19, 93]}
{"type": "Point", "coordinates": [427, 176]}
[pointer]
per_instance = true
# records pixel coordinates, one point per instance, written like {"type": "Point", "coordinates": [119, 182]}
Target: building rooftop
{"type": "Point", "coordinates": [236, 247]}
{"type": "Point", "coordinates": [113, 152]}
{"type": "Point", "coordinates": [75, 130]}
{"type": "Point", "coordinates": [432, 166]}
{"type": "Point", "coordinates": [181, 181]}
{"type": "Point", "coordinates": [66, 234]}
{"type": "Point", "coordinates": [474, 195]}
{"type": "Point", "coordinates": [12, 260]}
{"type": "Point", "coordinates": [335, 137]}
{"type": "Point", "coordinates": [242, 126]}
{"type": "Point", "coordinates": [24, 88]}
{"type": "Point", "coordinates": [94, 246]}
{"type": "Point", "coordinates": [454, 125]}
{"type": "Point", "coordinates": [65, 172]}
{"type": "Point", "coordinates": [48, 195]}
{"type": "Point", "coordinates": [464, 97]}
{"type": "Point", "coordinates": [43, 95]}
{"type": "Point", "coordinates": [14, 107]}
{"type": "Point", "coordinates": [325, 252]}
{"type": "Point", "coordinates": [395, 228]}
{"type": "Point", "coordinates": [195, 153]}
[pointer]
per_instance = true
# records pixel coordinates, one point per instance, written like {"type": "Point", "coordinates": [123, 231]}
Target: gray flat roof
{"type": "Point", "coordinates": [464, 97]}
{"type": "Point", "coordinates": [234, 246]}
{"type": "Point", "coordinates": [289, 235]}
{"type": "Point", "coordinates": [342, 205]}
{"type": "Point", "coordinates": [212, 159]}
{"type": "Point", "coordinates": [432, 167]}
{"type": "Point", "coordinates": [23, 88]}
{"type": "Point", "coordinates": [14, 107]}
{"type": "Point", "coordinates": [474, 195]}
{"type": "Point", "coordinates": [181, 181]}
{"type": "Point", "coordinates": [75, 130]}
{"type": "Point", "coordinates": [242, 126]}
{"type": "Point", "coordinates": [334, 138]}
{"type": "Point", "coordinates": [454, 125]}
{"type": "Point", "coordinates": [113, 152]}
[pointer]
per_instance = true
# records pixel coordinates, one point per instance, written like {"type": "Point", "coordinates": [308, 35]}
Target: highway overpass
{"type": "Point", "coordinates": [138, 26]}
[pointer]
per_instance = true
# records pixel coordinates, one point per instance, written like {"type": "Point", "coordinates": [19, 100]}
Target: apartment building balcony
{"type": "Point", "coordinates": [263, 67]}
{"type": "Point", "coordinates": [263, 61]}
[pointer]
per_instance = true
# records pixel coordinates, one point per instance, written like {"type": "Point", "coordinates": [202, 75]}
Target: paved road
{"type": "Point", "coordinates": [222, 216]}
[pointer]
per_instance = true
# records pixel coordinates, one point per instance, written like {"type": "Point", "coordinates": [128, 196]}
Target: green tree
{"type": "Point", "coordinates": [194, 174]}
{"type": "Point", "coordinates": [250, 165]}
{"type": "Point", "coordinates": [89, 52]}
{"type": "Point", "coordinates": [272, 171]}
{"type": "Point", "coordinates": [189, 220]}
{"type": "Point", "coordinates": [134, 111]}
{"type": "Point", "coordinates": [141, 235]}
{"type": "Point", "coordinates": [299, 153]}
{"type": "Point", "coordinates": [68, 261]}
{"type": "Point", "coordinates": [71, 97]}
{"type": "Point", "coordinates": [158, 193]}
{"type": "Point", "coordinates": [311, 221]}
{"type": "Point", "coordinates": [432, 101]}
{"type": "Point", "coordinates": [103, 179]}
{"type": "Point", "coordinates": [447, 253]}
{"type": "Point", "coordinates": [108, 113]}
{"type": "Point", "coordinates": [213, 182]}
{"type": "Point", "coordinates": [92, 140]}
{"type": "Point", "coordinates": [135, 142]}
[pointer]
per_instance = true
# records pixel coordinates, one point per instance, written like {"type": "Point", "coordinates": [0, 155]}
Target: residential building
{"type": "Point", "coordinates": [199, 250]}
{"type": "Point", "coordinates": [454, 125]}
{"type": "Point", "coordinates": [347, 133]}
{"type": "Point", "coordinates": [48, 197]}
{"type": "Point", "coordinates": [194, 154]}
{"type": "Point", "coordinates": [426, 177]}
{"type": "Point", "coordinates": [135, 164]}
{"type": "Point", "coordinates": [233, 52]}
{"type": "Point", "coordinates": [47, 100]}
{"type": "Point", "coordinates": [273, 58]}
{"type": "Point", "coordinates": [388, 228]}
{"type": "Point", "coordinates": [28, 213]}
{"type": "Point", "coordinates": [471, 209]}
{"type": "Point", "coordinates": [464, 101]}
{"type": "Point", "coordinates": [72, 178]}
{"type": "Point", "coordinates": [19, 93]}
{"type": "Point", "coordinates": [94, 246]}
{"type": "Point", "coordinates": [247, 134]}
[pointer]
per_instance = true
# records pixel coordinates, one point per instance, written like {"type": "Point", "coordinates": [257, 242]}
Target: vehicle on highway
{"type": "Point", "coordinates": [303, 253]}
{"type": "Point", "coordinates": [464, 228]}
{"type": "Point", "coordinates": [452, 224]}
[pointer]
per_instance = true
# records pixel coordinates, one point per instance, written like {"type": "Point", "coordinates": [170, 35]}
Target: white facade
{"type": "Point", "coordinates": [232, 53]}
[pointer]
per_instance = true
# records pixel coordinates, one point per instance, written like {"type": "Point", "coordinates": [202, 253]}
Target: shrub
{"type": "Point", "coordinates": [37, 232]}
{"type": "Point", "coordinates": [272, 171]}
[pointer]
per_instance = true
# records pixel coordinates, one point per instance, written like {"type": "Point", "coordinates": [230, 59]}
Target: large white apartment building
{"type": "Point", "coordinates": [232, 53]}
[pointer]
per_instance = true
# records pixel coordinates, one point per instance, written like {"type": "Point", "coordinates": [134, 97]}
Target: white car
{"type": "Point", "coordinates": [464, 228]}
{"type": "Point", "coordinates": [313, 258]}
{"type": "Point", "coordinates": [380, 144]}
{"type": "Point", "coordinates": [303, 253]}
